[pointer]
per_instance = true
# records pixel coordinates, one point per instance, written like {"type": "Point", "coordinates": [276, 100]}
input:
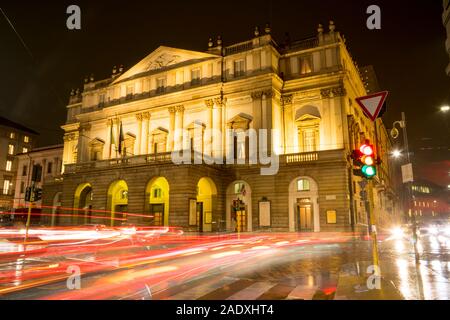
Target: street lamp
{"type": "Point", "coordinates": [396, 154]}
{"type": "Point", "coordinates": [445, 109]}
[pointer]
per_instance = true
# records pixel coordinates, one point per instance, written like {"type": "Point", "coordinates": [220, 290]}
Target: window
{"type": "Point", "coordinates": [239, 188]}
{"type": "Point", "coordinates": [6, 187]}
{"type": "Point", "coordinates": [22, 187]}
{"type": "Point", "coordinates": [11, 149]}
{"type": "Point", "coordinates": [157, 193]}
{"type": "Point", "coordinates": [24, 171]}
{"type": "Point", "coordinates": [308, 134]}
{"type": "Point", "coordinates": [160, 85]}
{"type": "Point", "coordinates": [124, 195]}
{"type": "Point", "coordinates": [12, 135]}
{"type": "Point", "coordinates": [24, 150]}
{"type": "Point", "coordinates": [303, 185]}
{"type": "Point", "coordinates": [305, 64]}
{"type": "Point", "coordinates": [239, 68]}
{"type": "Point", "coordinates": [309, 140]}
{"type": "Point", "coordinates": [26, 139]}
{"type": "Point", "coordinates": [195, 76]}
{"type": "Point", "coordinates": [49, 167]}
{"type": "Point", "coordinates": [130, 91]}
{"type": "Point", "coordinates": [8, 165]}
{"type": "Point", "coordinates": [101, 99]}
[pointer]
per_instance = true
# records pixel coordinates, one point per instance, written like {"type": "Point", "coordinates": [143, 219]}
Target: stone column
{"type": "Point", "coordinates": [218, 124]}
{"type": "Point", "coordinates": [145, 132]}
{"type": "Point", "coordinates": [209, 119]}
{"type": "Point", "coordinates": [179, 124]}
{"type": "Point", "coordinates": [267, 116]}
{"type": "Point", "coordinates": [107, 148]}
{"type": "Point", "coordinates": [285, 102]}
{"type": "Point", "coordinates": [138, 145]}
{"type": "Point", "coordinates": [171, 137]}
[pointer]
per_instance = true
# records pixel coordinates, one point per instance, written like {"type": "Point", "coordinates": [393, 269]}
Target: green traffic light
{"type": "Point", "coordinates": [369, 171]}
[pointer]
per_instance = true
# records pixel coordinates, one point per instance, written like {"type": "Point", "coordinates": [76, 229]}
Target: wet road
{"type": "Point", "coordinates": [125, 264]}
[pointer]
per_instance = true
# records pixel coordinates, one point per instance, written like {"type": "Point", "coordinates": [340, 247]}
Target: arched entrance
{"type": "Point", "coordinates": [56, 207]}
{"type": "Point", "coordinates": [82, 204]}
{"type": "Point", "coordinates": [118, 202]}
{"type": "Point", "coordinates": [206, 193]}
{"type": "Point", "coordinates": [157, 202]}
{"type": "Point", "coordinates": [303, 206]}
{"type": "Point", "coordinates": [239, 207]}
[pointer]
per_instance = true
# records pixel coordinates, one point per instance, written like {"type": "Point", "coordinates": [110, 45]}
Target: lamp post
{"type": "Point", "coordinates": [395, 134]}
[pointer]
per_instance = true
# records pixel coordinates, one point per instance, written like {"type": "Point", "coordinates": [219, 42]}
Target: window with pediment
{"type": "Point", "coordinates": [96, 149]}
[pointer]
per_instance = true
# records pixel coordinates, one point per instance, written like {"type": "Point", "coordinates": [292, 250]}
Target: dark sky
{"type": "Point", "coordinates": [408, 53]}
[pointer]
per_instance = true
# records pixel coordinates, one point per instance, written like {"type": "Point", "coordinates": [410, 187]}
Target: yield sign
{"type": "Point", "coordinates": [373, 104]}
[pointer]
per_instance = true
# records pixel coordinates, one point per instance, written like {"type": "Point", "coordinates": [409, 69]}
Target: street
{"type": "Point", "coordinates": [156, 264]}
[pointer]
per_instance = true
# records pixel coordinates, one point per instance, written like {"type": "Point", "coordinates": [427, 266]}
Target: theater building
{"type": "Point", "coordinates": [121, 131]}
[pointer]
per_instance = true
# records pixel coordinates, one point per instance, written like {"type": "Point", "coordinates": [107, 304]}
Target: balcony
{"type": "Point", "coordinates": [166, 158]}
{"type": "Point", "coordinates": [159, 158]}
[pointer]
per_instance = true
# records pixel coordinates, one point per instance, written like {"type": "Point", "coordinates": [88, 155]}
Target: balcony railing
{"type": "Point", "coordinates": [165, 158]}
{"type": "Point", "coordinates": [136, 160]}
{"type": "Point", "coordinates": [240, 47]}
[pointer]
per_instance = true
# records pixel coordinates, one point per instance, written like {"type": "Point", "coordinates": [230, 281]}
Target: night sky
{"type": "Point", "coordinates": [408, 53]}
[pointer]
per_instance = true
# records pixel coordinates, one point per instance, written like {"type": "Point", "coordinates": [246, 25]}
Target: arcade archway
{"type": "Point", "coordinates": [239, 207]}
{"type": "Point", "coordinates": [206, 193]}
{"type": "Point", "coordinates": [82, 204]}
{"type": "Point", "coordinates": [118, 202]}
{"type": "Point", "coordinates": [157, 202]}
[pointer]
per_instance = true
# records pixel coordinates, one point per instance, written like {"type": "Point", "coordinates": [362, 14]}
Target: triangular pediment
{"type": "Point", "coordinates": [165, 58]}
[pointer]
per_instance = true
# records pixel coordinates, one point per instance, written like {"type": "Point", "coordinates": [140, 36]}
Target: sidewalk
{"type": "Point", "coordinates": [352, 286]}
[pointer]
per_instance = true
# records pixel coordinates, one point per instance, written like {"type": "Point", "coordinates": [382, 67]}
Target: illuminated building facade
{"type": "Point", "coordinates": [50, 159]}
{"type": "Point", "coordinates": [120, 133]}
{"type": "Point", "coordinates": [14, 138]}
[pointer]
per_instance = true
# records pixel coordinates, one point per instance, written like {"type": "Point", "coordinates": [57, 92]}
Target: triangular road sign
{"type": "Point", "coordinates": [373, 104]}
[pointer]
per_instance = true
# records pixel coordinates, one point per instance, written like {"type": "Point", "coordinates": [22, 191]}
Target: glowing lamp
{"type": "Point", "coordinates": [369, 171]}
{"type": "Point", "coordinates": [369, 161]}
{"type": "Point", "coordinates": [366, 150]}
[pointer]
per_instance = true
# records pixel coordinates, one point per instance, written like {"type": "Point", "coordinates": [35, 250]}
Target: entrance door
{"type": "Point", "coordinates": [157, 211]}
{"type": "Point", "coordinates": [305, 216]}
{"type": "Point", "coordinates": [200, 216]}
{"type": "Point", "coordinates": [241, 220]}
{"type": "Point", "coordinates": [120, 214]}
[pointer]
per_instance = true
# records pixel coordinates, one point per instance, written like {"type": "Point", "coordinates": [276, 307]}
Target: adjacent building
{"type": "Point", "coordinates": [431, 190]}
{"type": "Point", "coordinates": [50, 160]}
{"type": "Point", "coordinates": [14, 138]}
{"type": "Point", "coordinates": [213, 106]}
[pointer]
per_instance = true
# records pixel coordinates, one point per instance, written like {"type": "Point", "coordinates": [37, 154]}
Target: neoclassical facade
{"type": "Point", "coordinates": [121, 131]}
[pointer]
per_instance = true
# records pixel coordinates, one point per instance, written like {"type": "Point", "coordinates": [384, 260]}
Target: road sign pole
{"type": "Point", "coordinates": [373, 227]}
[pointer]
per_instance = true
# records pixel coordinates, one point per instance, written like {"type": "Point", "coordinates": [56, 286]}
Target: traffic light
{"type": "Point", "coordinates": [37, 194]}
{"type": "Point", "coordinates": [365, 161]}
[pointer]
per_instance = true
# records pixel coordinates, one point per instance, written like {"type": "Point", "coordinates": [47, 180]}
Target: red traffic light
{"type": "Point", "coordinates": [366, 150]}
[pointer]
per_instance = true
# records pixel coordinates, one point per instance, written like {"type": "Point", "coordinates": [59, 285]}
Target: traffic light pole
{"type": "Point", "coordinates": [373, 227]}
{"type": "Point", "coordinates": [371, 220]}
{"type": "Point", "coordinates": [30, 206]}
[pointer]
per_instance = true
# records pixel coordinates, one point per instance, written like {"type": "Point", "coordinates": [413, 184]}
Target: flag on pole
{"type": "Point", "coordinates": [121, 139]}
